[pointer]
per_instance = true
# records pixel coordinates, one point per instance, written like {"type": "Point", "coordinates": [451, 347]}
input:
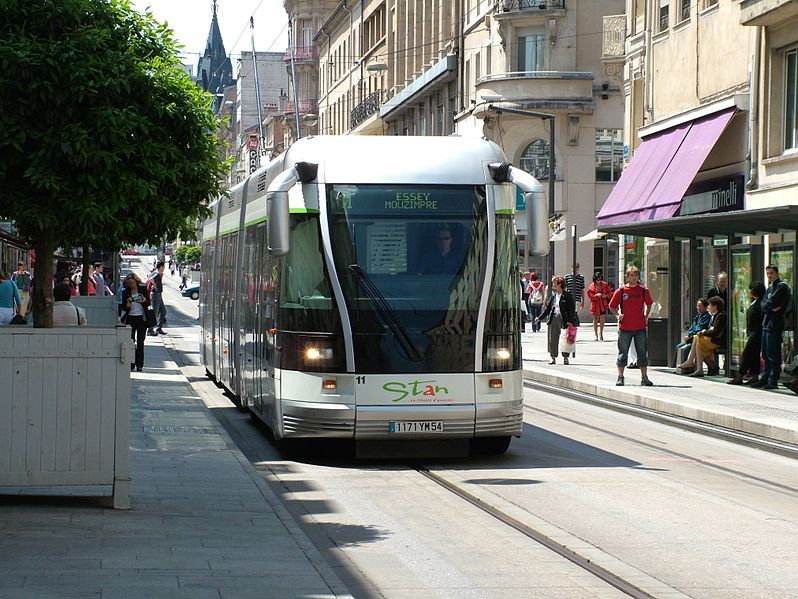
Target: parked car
{"type": "Point", "coordinates": [130, 252]}
{"type": "Point", "coordinates": [191, 291]}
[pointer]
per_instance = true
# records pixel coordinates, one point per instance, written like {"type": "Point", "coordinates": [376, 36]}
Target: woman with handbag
{"type": "Point", "coordinates": [10, 302]}
{"type": "Point", "coordinates": [135, 304]}
{"type": "Point", "coordinates": [560, 311]}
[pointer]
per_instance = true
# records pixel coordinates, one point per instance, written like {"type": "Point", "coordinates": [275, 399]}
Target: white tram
{"type": "Point", "coordinates": [332, 303]}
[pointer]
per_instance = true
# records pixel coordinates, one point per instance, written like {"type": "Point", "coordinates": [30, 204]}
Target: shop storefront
{"type": "Point", "coordinates": [680, 213]}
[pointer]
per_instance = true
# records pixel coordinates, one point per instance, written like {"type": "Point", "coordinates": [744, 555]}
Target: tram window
{"type": "Point", "coordinates": [306, 300]}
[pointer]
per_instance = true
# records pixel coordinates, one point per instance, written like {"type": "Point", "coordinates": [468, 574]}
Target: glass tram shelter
{"type": "Point", "coordinates": [683, 215]}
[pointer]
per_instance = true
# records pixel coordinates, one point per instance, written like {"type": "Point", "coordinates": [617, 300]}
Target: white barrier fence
{"type": "Point", "coordinates": [65, 408]}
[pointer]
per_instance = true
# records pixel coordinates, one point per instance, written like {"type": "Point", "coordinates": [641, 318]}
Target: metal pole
{"type": "Point", "coordinates": [551, 193]}
{"type": "Point", "coordinates": [293, 77]}
{"type": "Point", "coordinates": [574, 260]}
{"type": "Point", "coordinates": [257, 91]}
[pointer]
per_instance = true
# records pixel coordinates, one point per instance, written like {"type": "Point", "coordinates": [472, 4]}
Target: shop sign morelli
{"type": "Point", "coordinates": [714, 196]}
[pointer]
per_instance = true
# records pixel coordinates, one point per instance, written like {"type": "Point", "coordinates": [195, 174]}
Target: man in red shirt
{"type": "Point", "coordinates": [631, 305]}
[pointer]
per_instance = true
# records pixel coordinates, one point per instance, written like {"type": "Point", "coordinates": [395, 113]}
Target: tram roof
{"type": "Point", "coordinates": [397, 159]}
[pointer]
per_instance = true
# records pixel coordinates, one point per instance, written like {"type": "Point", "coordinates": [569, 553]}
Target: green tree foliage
{"type": "Point", "coordinates": [188, 254]}
{"type": "Point", "coordinates": [193, 254]}
{"type": "Point", "coordinates": [106, 142]}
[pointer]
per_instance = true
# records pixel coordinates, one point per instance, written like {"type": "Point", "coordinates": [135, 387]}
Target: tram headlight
{"type": "Point", "coordinates": [501, 352]}
{"type": "Point", "coordinates": [500, 355]}
{"type": "Point", "coordinates": [315, 354]}
{"type": "Point", "coordinates": [311, 353]}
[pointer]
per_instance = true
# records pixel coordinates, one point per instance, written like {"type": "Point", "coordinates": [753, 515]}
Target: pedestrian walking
{"type": "Point", "coordinates": [97, 285]}
{"type": "Point", "coordinates": [632, 305]}
{"type": "Point", "coordinates": [10, 302]}
{"type": "Point", "coordinates": [22, 279]}
{"type": "Point", "coordinates": [536, 291]}
{"type": "Point", "coordinates": [599, 295]}
{"type": "Point", "coordinates": [575, 285]}
{"type": "Point", "coordinates": [523, 304]}
{"type": "Point", "coordinates": [135, 300]}
{"type": "Point", "coordinates": [155, 288]}
{"type": "Point", "coordinates": [774, 305]}
{"type": "Point", "coordinates": [185, 273]}
{"type": "Point", "coordinates": [560, 312]}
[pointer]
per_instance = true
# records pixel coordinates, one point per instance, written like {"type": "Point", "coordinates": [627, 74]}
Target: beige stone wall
{"type": "Point", "coordinates": [571, 44]}
{"type": "Point", "coordinates": [778, 166]}
{"type": "Point", "coordinates": [701, 59]}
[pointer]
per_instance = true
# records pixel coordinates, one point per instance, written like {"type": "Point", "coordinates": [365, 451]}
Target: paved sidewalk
{"type": "Point", "coordinates": [202, 523]}
{"type": "Point", "coordinates": [770, 414]}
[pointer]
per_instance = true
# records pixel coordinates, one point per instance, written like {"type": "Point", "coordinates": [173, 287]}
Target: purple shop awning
{"type": "Point", "coordinates": [663, 167]}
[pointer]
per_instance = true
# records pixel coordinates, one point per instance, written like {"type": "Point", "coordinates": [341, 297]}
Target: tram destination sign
{"type": "Point", "coordinates": [714, 196]}
{"type": "Point", "coordinates": [402, 199]}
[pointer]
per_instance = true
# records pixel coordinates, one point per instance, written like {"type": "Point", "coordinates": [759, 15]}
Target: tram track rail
{"type": "Point", "coordinates": [612, 579]}
{"type": "Point", "coordinates": [754, 441]}
{"type": "Point", "coordinates": [711, 430]}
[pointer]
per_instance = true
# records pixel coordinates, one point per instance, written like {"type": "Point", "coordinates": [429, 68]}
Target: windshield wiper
{"type": "Point", "coordinates": [387, 314]}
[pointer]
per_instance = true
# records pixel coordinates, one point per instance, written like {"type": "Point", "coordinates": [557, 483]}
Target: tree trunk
{"type": "Point", "coordinates": [43, 283]}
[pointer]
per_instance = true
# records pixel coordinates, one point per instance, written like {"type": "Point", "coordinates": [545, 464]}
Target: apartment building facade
{"type": "Point", "coordinates": [709, 181]}
{"type": "Point", "coordinates": [389, 67]}
{"type": "Point", "coordinates": [529, 65]}
{"type": "Point", "coordinates": [302, 63]}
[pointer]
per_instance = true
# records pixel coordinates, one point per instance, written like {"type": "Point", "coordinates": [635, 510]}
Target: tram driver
{"type": "Point", "coordinates": [444, 257]}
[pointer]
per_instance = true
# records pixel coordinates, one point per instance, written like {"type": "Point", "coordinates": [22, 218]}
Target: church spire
{"type": "Point", "coordinates": [215, 71]}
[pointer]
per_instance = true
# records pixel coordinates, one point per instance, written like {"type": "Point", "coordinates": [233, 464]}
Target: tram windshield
{"type": "Point", "coordinates": [411, 260]}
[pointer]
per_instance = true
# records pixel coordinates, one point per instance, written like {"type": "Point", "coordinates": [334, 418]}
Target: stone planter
{"type": "Point", "coordinates": [65, 411]}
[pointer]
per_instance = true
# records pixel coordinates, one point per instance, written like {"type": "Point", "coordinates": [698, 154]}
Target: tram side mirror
{"type": "Point", "coordinates": [537, 213]}
{"type": "Point", "coordinates": [278, 230]}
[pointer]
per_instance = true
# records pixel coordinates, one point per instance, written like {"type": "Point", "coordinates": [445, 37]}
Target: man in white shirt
{"type": "Point", "coordinates": [65, 313]}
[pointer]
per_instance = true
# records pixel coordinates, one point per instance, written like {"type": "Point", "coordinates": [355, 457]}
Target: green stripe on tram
{"type": "Point", "coordinates": [228, 231]}
{"type": "Point", "coordinates": [303, 210]}
{"type": "Point", "coordinates": [257, 221]}
{"type": "Point", "coordinates": [502, 211]}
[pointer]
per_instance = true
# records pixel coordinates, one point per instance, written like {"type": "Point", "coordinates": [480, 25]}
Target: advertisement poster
{"type": "Point", "coordinates": [741, 278]}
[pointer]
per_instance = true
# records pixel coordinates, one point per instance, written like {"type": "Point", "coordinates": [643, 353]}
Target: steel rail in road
{"type": "Point", "coordinates": [741, 438]}
{"type": "Point", "coordinates": [572, 556]}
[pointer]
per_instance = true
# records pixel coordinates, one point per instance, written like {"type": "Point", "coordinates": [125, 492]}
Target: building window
{"type": "Point", "coordinates": [709, 3]}
{"type": "Point", "coordinates": [609, 154]}
{"type": "Point", "coordinates": [684, 14]}
{"type": "Point", "coordinates": [639, 16]}
{"type": "Point", "coordinates": [791, 100]}
{"type": "Point", "coordinates": [664, 7]}
{"type": "Point", "coordinates": [530, 52]}
{"type": "Point", "coordinates": [535, 159]}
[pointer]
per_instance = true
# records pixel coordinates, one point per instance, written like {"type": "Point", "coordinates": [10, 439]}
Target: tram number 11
{"type": "Point", "coordinates": [361, 380]}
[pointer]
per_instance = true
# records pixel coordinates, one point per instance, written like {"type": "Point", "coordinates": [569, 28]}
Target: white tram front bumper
{"type": "Point", "coordinates": [358, 408]}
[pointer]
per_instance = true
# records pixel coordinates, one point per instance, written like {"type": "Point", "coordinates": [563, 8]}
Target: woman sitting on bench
{"type": "Point", "coordinates": [706, 342]}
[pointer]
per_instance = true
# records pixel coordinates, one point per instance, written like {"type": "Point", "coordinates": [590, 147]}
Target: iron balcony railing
{"type": "Point", "coordinates": [366, 108]}
{"type": "Point", "coordinates": [511, 5]}
{"type": "Point", "coordinates": [303, 53]}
